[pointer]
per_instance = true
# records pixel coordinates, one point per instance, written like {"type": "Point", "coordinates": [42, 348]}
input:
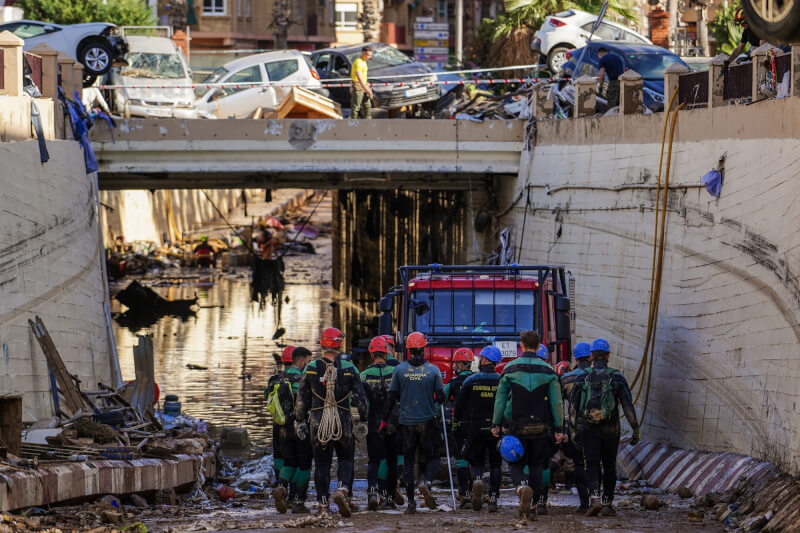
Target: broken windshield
{"type": "Point", "coordinates": [472, 311]}
{"type": "Point", "coordinates": [150, 65]}
{"type": "Point", "coordinates": [382, 57]}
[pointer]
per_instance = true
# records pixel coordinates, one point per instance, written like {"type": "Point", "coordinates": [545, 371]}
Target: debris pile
{"type": "Point", "coordinates": [470, 102]}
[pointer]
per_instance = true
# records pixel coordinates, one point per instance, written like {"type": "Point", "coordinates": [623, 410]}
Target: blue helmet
{"type": "Point", "coordinates": [582, 349]}
{"type": "Point", "coordinates": [543, 352]}
{"type": "Point", "coordinates": [510, 449]}
{"type": "Point", "coordinates": [601, 345]}
{"type": "Point", "coordinates": [492, 353]}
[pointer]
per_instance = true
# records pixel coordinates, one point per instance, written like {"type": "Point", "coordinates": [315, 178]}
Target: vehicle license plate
{"type": "Point", "coordinates": [507, 348]}
{"type": "Point", "coordinates": [416, 91]}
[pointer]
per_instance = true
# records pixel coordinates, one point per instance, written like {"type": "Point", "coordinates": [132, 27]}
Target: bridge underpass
{"type": "Point", "coordinates": [320, 154]}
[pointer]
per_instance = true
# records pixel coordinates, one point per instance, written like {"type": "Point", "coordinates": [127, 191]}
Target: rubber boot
{"type": "Point", "coordinates": [386, 502]}
{"type": "Point", "coordinates": [477, 495]}
{"type": "Point", "coordinates": [425, 491]}
{"type": "Point", "coordinates": [541, 507]}
{"type": "Point", "coordinates": [584, 501]}
{"type": "Point", "coordinates": [398, 497]}
{"type": "Point", "coordinates": [281, 497]}
{"type": "Point", "coordinates": [340, 499]}
{"type": "Point", "coordinates": [323, 505]}
{"type": "Point", "coordinates": [493, 503]}
{"type": "Point", "coordinates": [607, 509]}
{"type": "Point", "coordinates": [299, 507]}
{"type": "Point", "coordinates": [372, 500]}
{"type": "Point", "coordinates": [525, 494]}
{"type": "Point", "coordinates": [466, 500]}
{"type": "Point", "coordinates": [412, 507]}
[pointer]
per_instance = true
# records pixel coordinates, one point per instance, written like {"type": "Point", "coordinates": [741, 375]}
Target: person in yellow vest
{"type": "Point", "coordinates": [360, 91]}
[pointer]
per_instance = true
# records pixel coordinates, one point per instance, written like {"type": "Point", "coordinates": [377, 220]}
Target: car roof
{"type": "Point", "coordinates": [627, 47]}
{"type": "Point", "coordinates": [236, 64]}
{"type": "Point", "coordinates": [350, 48]}
{"type": "Point", "coordinates": [584, 16]}
{"type": "Point", "coordinates": [143, 43]}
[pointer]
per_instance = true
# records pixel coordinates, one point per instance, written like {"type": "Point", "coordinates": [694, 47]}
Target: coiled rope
{"type": "Point", "coordinates": [330, 425]}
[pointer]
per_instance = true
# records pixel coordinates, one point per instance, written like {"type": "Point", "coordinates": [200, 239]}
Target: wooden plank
{"type": "Point", "coordinates": [66, 385]}
{"type": "Point", "coordinates": [301, 103]}
{"type": "Point", "coordinates": [11, 423]}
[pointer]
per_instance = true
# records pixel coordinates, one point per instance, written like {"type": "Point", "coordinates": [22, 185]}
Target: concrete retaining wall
{"type": "Point", "coordinates": [50, 252]}
{"type": "Point", "coordinates": [726, 375]}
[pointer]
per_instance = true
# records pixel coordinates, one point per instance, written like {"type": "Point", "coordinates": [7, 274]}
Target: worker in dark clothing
{"type": "Point", "coordinates": [528, 405]}
{"type": "Point", "coordinates": [296, 471]}
{"type": "Point", "coordinates": [417, 385]}
{"type": "Point", "coordinates": [383, 469]}
{"type": "Point", "coordinates": [573, 448]}
{"type": "Point", "coordinates": [328, 388]}
{"type": "Point", "coordinates": [277, 451]}
{"type": "Point", "coordinates": [596, 397]}
{"type": "Point", "coordinates": [462, 361]}
{"type": "Point", "coordinates": [473, 411]}
{"type": "Point", "coordinates": [748, 38]}
{"type": "Point", "coordinates": [380, 447]}
{"type": "Point", "coordinates": [610, 65]}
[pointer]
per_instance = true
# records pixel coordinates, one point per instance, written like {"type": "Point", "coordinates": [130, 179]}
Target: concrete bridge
{"type": "Point", "coordinates": [347, 154]}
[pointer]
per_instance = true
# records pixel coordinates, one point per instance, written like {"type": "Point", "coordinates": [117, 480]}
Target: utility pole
{"type": "Point", "coordinates": [702, 27]}
{"type": "Point", "coordinates": [460, 32]}
{"type": "Point", "coordinates": [672, 9]}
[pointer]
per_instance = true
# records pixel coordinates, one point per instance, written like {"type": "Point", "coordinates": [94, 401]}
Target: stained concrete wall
{"type": "Point", "coordinates": [50, 252]}
{"type": "Point", "coordinates": [726, 375]}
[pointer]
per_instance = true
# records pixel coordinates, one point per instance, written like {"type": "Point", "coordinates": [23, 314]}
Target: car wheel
{"type": "Point", "coordinates": [776, 21]}
{"type": "Point", "coordinates": [557, 57]}
{"type": "Point", "coordinates": [96, 57]}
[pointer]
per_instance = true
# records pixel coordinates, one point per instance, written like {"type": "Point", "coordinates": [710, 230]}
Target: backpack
{"type": "Point", "coordinates": [597, 399]}
{"type": "Point", "coordinates": [280, 401]}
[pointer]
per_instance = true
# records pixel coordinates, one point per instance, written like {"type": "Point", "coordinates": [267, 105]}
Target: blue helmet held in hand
{"type": "Point", "coordinates": [492, 353]}
{"type": "Point", "coordinates": [582, 349]}
{"type": "Point", "coordinates": [601, 345]}
{"type": "Point", "coordinates": [510, 449]}
{"type": "Point", "coordinates": [542, 352]}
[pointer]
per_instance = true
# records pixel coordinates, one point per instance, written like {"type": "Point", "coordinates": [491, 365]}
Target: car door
{"type": "Point", "coordinates": [240, 102]}
{"type": "Point", "coordinates": [284, 73]}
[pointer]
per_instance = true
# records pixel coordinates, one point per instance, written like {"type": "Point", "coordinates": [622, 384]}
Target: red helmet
{"type": "Point", "coordinates": [378, 344]}
{"type": "Point", "coordinates": [287, 354]}
{"type": "Point", "coordinates": [738, 17]}
{"type": "Point", "coordinates": [332, 338]}
{"type": "Point", "coordinates": [389, 340]}
{"type": "Point", "coordinates": [416, 340]}
{"type": "Point", "coordinates": [561, 368]}
{"type": "Point", "coordinates": [463, 354]}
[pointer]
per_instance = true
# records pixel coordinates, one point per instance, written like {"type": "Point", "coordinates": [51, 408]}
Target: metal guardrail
{"type": "Point", "coordinates": [738, 82]}
{"type": "Point", "coordinates": [693, 89]}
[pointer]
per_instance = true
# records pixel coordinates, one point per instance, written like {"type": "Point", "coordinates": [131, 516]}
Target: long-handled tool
{"type": "Point", "coordinates": [447, 451]}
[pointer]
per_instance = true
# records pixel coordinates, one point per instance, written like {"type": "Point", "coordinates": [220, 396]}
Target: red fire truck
{"type": "Point", "coordinates": [477, 306]}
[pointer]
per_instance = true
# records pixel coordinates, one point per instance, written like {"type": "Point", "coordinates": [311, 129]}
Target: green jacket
{"type": "Point", "coordinates": [529, 393]}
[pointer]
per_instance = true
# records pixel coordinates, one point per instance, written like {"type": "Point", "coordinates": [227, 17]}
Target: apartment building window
{"type": "Point", "coordinates": [346, 16]}
{"type": "Point", "coordinates": [213, 7]}
{"type": "Point", "coordinates": [243, 8]}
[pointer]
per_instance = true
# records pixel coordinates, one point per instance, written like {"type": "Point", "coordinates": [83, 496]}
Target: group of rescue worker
{"type": "Point", "coordinates": [523, 411]}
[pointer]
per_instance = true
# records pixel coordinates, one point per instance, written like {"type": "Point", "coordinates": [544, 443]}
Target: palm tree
{"type": "Point", "coordinates": [281, 19]}
{"type": "Point", "coordinates": [370, 21]}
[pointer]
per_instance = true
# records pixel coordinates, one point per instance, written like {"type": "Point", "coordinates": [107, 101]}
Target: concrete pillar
{"type": "Point", "coordinates": [585, 96]}
{"type": "Point", "coordinates": [759, 56]}
{"type": "Point", "coordinates": [542, 105]}
{"type": "Point", "coordinates": [671, 76]}
{"type": "Point", "coordinates": [716, 82]}
{"type": "Point", "coordinates": [13, 67]}
{"type": "Point", "coordinates": [77, 80]}
{"type": "Point", "coordinates": [65, 64]}
{"type": "Point", "coordinates": [795, 77]}
{"type": "Point", "coordinates": [49, 57]}
{"type": "Point", "coordinates": [631, 97]}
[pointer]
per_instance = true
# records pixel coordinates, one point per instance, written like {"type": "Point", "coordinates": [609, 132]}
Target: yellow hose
{"type": "Point", "coordinates": [655, 240]}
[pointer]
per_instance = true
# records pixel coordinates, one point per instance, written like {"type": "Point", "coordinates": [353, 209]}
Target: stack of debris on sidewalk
{"type": "Point", "coordinates": [469, 102]}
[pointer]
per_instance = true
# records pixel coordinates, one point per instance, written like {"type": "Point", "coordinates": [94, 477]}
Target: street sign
{"type": "Point", "coordinates": [431, 50]}
{"type": "Point", "coordinates": [432, 58]}
{"type": "Point", "coordinates": [436, 26]}
{"type": "Point", "coordinates": [429, 34]}
{"type": "Point", "coordinates": [600, 16]}
{"type": "Point", "coordinates": [430, 42]}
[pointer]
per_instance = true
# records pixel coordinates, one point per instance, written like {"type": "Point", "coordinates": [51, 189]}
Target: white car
{"type": "Point", "coordinates": [153, 61]}
{"type": "Point", "coordinates": [95, 44]}
{"type": "Point", "coordinates": [570, 29]}
{"type": "Point", "coordinates": [284, 67]}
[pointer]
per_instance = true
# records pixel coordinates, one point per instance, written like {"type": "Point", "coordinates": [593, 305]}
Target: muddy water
{"type": "Point", "coordinates": [233, 341]}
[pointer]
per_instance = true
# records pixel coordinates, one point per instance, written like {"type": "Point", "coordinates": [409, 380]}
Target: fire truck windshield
{"type": "Point", "coordinates": [473, 311]}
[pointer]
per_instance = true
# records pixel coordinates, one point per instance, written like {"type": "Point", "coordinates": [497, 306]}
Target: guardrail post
{"type": "Point", "coordinates": [65, 64]}
{"type": "Point", "coordinates": [542, 105]}
{"type": "Point", "coordinates": [716, 81]}
{"type": "Point", "coordinates": [49, 57]}
{"type": "Point", "coordinates": [795, 68]}
{"type": "Point", "coordinates": [759, 56]}
{"type": "Point", "coordinates": [13, 68]}
{"type": "Point", "coordinates": [585, 96]}
{"type": "Point", "coordinates": [631, 94]}
{"type": "Point", "coordinates": [672, 76]}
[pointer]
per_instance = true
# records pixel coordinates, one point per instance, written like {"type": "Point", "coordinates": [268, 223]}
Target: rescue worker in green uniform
{"type": "Point", "coordinates": [277, 453]}
{"type": "Point", "coordinates": [573, 448]}
{"type": "Point", "coordinates": [528, 405]}
{"type": "Point", "coordinates": [462, 361]}
{"type": "Point", "coordinates": [596, 396]}
{"type": "Point", "coordinates": [296, 471]}
{"type": "Point", "coordinates": [383, 469]}
{"type": "Point", "coordinates": [376, 378]}
{"type": "Point", "coordinates": [473, 411]}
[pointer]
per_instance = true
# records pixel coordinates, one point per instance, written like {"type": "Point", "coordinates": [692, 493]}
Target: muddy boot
{"type": "Point", "coordinates": [477, 495]}
{"type": "Point", "coordinates": [412, 507]}
{"type": "Point", "coordinates": [386, 502]}
{"type": "Point", "coordinates": [323, 505]}
{"type": "Point", "coordinates": [525, 494]}
{"type": "Point", "coordinates": [398, 497]}
{"type": "Point", "coordinates": [466, 501]}
{"type": "Point", "coordinates": [541, 507]}
{"type": "Point", "coordinates": [372, 500]}
{"type": "Point", "coordinates": [584, 505]}
{"type": "Point", "coordinates": [340, 499]}
{"type": "Point", "coordinates": [595, 509]}
{"type": "Point", "coordinates": [281, 497]}
{"type": "Point", "coordinates": [425, 491]}
{"type": "Point", "coordinates": [493, 503]}
{"type": "Point", "coordinates": [606, 508]}
{"type": "Point", "coordinates": [299, 507]}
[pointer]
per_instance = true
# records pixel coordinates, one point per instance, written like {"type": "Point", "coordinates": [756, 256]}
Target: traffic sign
{"type": "Point", "coordinates": [430, 42]}
{"type": "Point", "coordinates": [429, 34]}
{"type": "Point", "coordinates": [436, 26]}
{"type": "Point", "coordinates": [428, 50]}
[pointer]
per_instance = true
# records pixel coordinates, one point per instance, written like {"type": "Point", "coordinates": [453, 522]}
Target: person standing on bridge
{"type": "Point", "coordinates": [328, 387]}
{"type": "Point", "coordinates": [596, 396]}
{"type": "Point", "coordinates": [360, 92]}
{"type": "Point", "coordinates": [611, 66]}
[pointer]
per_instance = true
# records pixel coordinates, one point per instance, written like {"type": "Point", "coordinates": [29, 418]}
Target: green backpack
{"type": "Point", "coordinates": [280, 401]}
{"type": "Point", "coordinates": [597, 398]}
